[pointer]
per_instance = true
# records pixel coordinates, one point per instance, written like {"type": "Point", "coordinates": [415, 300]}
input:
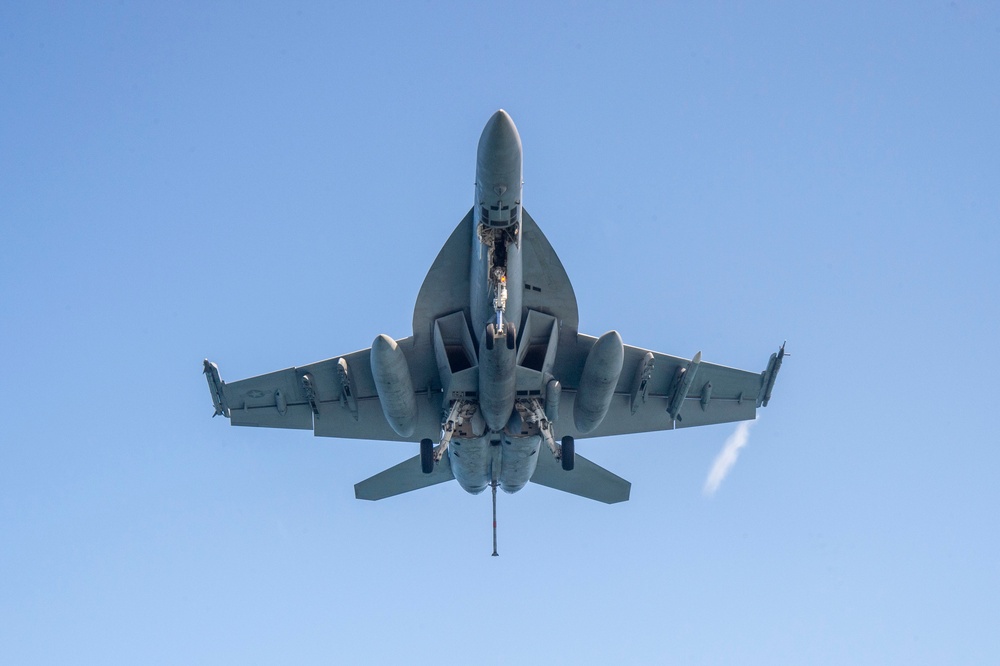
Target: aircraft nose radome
{"type": "Point", "coordinates": [501, 117]}
{"type": "Point", "coordinates": [499, 132]}
{"type": "Point", "coordinates": [500, 136]}
{"type": "Point", "coordinates": [500, 124]}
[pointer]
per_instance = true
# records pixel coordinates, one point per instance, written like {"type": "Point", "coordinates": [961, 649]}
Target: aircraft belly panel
{"type": "Point", "coordinates": [519, 456]}
{"type": "Point", "coordinates": [471, 461]}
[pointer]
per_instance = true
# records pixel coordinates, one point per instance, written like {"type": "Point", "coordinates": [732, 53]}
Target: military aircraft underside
{"type": "Point", "coordinates": [496, 383]}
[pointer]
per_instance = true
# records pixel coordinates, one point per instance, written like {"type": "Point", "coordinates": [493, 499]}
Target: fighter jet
{"type": "Point", "coordinates": [496, 383]}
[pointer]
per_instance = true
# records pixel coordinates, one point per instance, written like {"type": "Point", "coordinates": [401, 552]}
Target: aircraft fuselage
{"type": "Point", "coordinates": [496, 312]}
{"type": "Point", "coordinates": [496, 244]}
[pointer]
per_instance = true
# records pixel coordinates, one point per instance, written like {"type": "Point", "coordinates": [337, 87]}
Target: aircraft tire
{"type": "Point", "coordinates": [491, 333]}
{"type": "Point", "coordinates": [568, 453]}
{"type": "Point", "coordinates": [426, 456]}
{"type": "Point", "coordinates": [511, 336]}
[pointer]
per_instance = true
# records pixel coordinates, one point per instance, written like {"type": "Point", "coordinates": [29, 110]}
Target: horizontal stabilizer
{"type": "Point", "coordinates": [402, 478]}
{"type": "Point", "coordinates": [585, 479]}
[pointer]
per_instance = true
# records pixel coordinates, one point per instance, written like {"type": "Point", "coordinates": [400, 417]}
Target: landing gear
{"type": "Point", "coordinates": [461, 411]}
{"type": "Point", "coordinates": [568, 453]}
{"type": "Point", "coordinates": [531, 411]}
{"type": "Point", "coordinates": [426, 456]}
{"type": "Point", "coordinates": [509, 333]}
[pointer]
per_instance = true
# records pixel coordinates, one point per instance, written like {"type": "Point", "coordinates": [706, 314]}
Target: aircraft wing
{"type": "Point", "coordinates": [333, 398]}
{"type": "Point", "coordinates": [337, 397]}
{"type": "Point", "coordinates": [648, 389]}
{"type": "Point", "coordinates": [546, 286]}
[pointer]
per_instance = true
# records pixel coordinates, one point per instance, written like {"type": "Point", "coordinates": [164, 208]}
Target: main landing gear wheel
{"type": "Point", "coordinates": [568, 453]}
{"type": "Point", "coordinates": [426, 456]}
{"type": "Point", "coordinates": [511, 336]}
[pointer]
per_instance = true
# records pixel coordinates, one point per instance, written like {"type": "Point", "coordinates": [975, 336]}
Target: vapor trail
{"type": "Point", "coordinates": [727, 457]}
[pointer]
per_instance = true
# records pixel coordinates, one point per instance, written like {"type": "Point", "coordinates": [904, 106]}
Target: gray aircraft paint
{"type": "Point", "coordinates": [534, 388]}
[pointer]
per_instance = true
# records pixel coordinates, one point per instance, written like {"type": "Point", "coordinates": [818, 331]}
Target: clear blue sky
{"type": "Point", "coordinates": [266, 186]}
